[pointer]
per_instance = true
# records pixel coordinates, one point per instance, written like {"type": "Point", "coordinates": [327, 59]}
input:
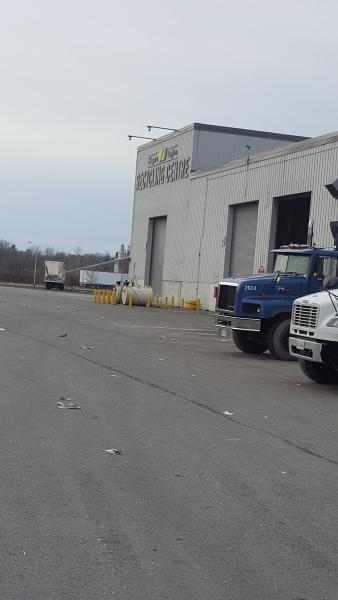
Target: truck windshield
{"type": "Point", "coordinates": [291, 263]}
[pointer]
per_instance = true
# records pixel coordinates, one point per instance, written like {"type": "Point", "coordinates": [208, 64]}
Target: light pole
{"type": "Point", "coordinates": [35, 262]}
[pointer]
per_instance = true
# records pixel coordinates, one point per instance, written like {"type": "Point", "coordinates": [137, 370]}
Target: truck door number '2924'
{"type": "Point", "coordinates": [250, 288]}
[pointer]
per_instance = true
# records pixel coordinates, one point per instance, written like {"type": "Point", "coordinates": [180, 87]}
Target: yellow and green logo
{"type": "Point", "coordinates": [162, 154]}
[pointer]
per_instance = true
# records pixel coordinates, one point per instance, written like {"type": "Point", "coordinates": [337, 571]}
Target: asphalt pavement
{"type": "Point", "coordinates": [226, 485]}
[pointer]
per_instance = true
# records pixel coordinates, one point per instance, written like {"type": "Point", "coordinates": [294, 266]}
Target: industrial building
{"type": "Point", "coordinates": [212, 201]}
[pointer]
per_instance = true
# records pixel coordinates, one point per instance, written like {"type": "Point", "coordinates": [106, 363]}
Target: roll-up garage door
{"type": "Point", "coordinates": [243, 241]}
{"type": "Point", "coordinates": [157, 254]}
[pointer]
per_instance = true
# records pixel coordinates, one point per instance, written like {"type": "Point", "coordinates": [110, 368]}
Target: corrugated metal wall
{"type": "Point", "coordinates": [197, 211]}
{"type": "Point", "coordinates": [304, 171]}
{"type": "Point", "coordinates": [214, 148]}
{"type": "Point", "coordinates": [171, 199]}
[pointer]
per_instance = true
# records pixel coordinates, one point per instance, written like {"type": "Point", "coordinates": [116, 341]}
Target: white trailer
{"type": "Point", "coordinates": [55, 274]}
{"type": "Point", "coordinates": [100, 279]}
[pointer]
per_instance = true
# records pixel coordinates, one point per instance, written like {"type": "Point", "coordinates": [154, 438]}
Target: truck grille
{"type": "Point", "coordinates": [227, 297]}
{"type": "Point", "coordinates": [304, 315]}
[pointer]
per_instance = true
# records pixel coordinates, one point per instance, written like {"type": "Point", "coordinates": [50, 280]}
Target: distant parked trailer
{"type": "Point", "coordinates": [100, 279]}
{"type": "Point", "coordinates": [54, 274]}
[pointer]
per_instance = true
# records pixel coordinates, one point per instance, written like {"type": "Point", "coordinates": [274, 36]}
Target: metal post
{"type": "Point", "coordinates": [36, 260]}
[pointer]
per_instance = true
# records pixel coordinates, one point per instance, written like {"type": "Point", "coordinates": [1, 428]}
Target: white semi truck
{"type": "Point", "coordinates": [314, 334]}
{"type": "Point", "coordinates": [55, 274]}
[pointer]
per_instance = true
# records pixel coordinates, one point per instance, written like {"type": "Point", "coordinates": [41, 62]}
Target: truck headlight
{"type": "Point", "coordinates": [332, 322]}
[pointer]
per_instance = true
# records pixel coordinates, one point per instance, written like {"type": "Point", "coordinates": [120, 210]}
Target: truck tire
{"type": "Point", "coordinates": [248, 343]}
{"type": "Point", "coordinates": [47, 286]}
{"type": "Point", "coordinates": [278, 340]}
{"type": "Point", "coordinates": [318, 372]}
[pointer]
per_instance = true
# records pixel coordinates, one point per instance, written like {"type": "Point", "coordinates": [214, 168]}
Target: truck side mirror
{"type": "Point", "coordinates": [330, 283]}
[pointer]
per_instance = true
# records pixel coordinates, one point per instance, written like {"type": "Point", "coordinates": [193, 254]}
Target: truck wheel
{"type": "Point", "coordinates": [47, 286]}
{"type": "Point", "coordinates": [248, 343]}
{"type": "Point", "coordinates": [318, 372]}
{"type": "Point", "coordinates": [278, 340]}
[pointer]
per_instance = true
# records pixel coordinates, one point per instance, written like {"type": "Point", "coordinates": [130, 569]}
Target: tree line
{"type": "Point", "coordinates": [17, 266]}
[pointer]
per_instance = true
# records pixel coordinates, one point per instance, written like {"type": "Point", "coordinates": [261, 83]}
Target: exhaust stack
{"type": "Point", "coordinates": [309, 240]}
{"type": "Point", "coordinates": [334, 231]}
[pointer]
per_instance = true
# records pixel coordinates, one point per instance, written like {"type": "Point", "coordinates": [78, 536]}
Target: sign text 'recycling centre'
{"type": "Point", "coordinates": [164, 167]}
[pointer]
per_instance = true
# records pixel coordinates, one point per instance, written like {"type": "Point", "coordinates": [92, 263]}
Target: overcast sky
{"type": "Point", "coordinates": [77, 76]}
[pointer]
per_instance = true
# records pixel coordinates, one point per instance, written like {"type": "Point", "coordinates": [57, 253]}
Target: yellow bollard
{"type": "Point", "coordinates": [182, 302]}
{"type": "Point", "coordinates": [198, 304]}
{"type": "Point", "coordinates": [113, 297]}
{"type": "Point", "coordinates": [148, 302]}
{"type": "Point", "coordinates": [109, 297]}
{"type": "Point", "coordinates": [156, 299]}
{"type": "Point", "coordinates": [102, 297]}
{"type": "Point", "coordinates": [94, 296]}
{"type": "Point", "coordinates": [165, 301]}
{"type": "Point", "coordinates": [130, 300]}
{"type": "Point", "coordinates": [172, 301]}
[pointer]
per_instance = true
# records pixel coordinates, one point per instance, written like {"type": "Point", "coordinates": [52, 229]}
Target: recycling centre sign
{"type": "Point", "coordinates": [163, 167]}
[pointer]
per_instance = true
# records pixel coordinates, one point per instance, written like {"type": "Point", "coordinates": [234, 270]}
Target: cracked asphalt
{"type": "Point", "coordinates": [200, 504]}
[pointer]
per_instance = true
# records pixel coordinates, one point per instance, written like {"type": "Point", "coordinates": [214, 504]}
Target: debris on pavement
{"type": "Point", "coordinates": [227, 413]}
{"type": "Point", "coordinates": [67, 403]}
{"type": "Point", "coordinates": [63, 335]}
{"type": "Point", "coordinates": [113, 451]}
{"type": "Point", "coordinates": [87, 347]}
{"type": "Point", "coordinates": [2, 329]}
{"type": "Point", "coordinates": [112, 375]}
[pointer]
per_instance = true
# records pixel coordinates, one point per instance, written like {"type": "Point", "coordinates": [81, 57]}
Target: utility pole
{"type": "Point", "coordinates": [35, 262]}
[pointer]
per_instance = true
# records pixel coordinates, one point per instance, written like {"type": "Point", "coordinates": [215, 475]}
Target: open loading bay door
{"type": "Point", "coordinates": [291, 219]}
{"type": "Point", "coordinates": [289, 222]}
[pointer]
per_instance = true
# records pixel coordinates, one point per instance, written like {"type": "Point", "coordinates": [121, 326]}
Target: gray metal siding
{"type": "Point", "coordinates": [171, 199]}
{"type": "Point", "coordinates": [264, 180]}
{"type": "Point", "coordinates": [212, 149]}
{"type": "Point", "coordinates": [198, 211]}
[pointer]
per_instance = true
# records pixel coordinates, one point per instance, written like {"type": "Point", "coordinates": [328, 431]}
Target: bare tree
{"type": "Point", "coordinates": [17, 266]}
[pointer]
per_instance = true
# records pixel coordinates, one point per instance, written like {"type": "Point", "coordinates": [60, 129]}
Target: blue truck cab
{"type": "Point", "coordinates": [257, 308]}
